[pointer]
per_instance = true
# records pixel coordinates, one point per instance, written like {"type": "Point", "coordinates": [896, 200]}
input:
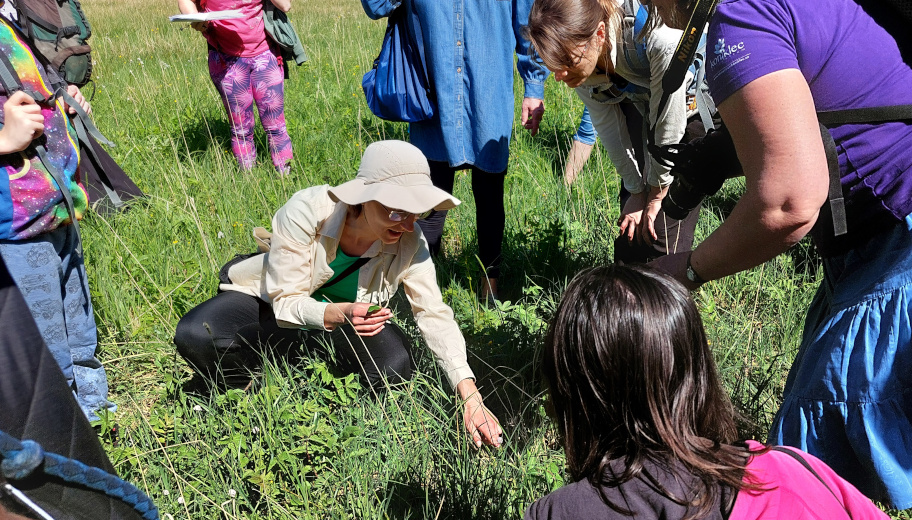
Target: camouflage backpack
{"type": "Point", "coordinates": [58, 30]}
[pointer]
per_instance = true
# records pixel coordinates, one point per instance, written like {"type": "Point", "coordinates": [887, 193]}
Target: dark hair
{"type": "Point", "coordinates": [557, 27]}
{"type": "Point", "coordinates": [632, 377]}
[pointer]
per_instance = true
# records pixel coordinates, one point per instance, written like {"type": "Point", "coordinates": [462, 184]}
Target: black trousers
{"type": "Point", "coordinates": [490, 218]}
{"type": "Point", "coordinates": [674, 236]}
{"type": "Point", "coordinates": [225, 337]}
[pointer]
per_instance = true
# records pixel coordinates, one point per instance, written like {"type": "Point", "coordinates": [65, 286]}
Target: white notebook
{"type": "Point", "coordinates": [207, 17]}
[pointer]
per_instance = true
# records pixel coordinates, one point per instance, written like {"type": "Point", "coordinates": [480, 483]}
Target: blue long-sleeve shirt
{"type": "Point", "coordinates": [469, 48]}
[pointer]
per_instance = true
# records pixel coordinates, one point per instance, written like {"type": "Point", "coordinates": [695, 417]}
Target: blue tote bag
{"type": "Point", "coordinates": [397, 87]}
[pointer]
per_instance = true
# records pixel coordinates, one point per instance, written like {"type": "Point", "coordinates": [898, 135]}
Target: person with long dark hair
{"type": "Point", "coordinates": [647, 428]}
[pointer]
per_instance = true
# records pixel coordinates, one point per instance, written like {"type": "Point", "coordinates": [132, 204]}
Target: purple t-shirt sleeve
{"type": "Point", "coordinates": [749, 39]}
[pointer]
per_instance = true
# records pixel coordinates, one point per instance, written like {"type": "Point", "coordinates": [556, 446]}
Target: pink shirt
{"type": "Point", "coordinates": [244, 37]}
{"type": "Point", "coordinates": [796, 493]}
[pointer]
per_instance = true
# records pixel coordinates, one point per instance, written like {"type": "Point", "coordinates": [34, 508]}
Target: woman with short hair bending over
{"type": "Point", "coordinates": [647, 428]}
{"type": "Point", "coordinates": [335, 258]}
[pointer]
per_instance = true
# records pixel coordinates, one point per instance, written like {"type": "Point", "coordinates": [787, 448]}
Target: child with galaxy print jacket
{"type": "Point", "coordinates": [246, 69]}
{"type": "Point", "coordinates": [38, 239]}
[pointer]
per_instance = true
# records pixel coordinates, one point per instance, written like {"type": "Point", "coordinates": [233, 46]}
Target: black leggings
{"type": "Point", "coordinates": [674, 236]}
{"type": "Point", "coordinates": [490, 218]}
{"type": "Point", "coordinates": [225, 337]}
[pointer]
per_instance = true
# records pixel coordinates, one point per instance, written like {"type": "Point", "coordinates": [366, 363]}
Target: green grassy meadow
{"type": "Point", "coordinates": [305, 442]}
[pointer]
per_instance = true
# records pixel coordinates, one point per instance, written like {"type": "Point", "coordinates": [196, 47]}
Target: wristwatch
{"type": "Point", "coordinates": [691, 274]}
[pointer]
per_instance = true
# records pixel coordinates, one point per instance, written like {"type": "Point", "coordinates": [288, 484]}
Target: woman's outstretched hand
{"type": "Point", "coordinates": [653, 204]}
{"type": "Point", "coordinates": [631, 215]}
{"type": "Point", "coordinates": [479, 421]}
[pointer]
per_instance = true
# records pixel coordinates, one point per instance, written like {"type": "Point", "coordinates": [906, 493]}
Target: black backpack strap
{"type": "Point", "coordinates": [8, 76]}
{"type": "Point", "coordinates": [865, 115]}
{"type": "Point", "coordinates": [683, 58]}
{"type": "Point", "coordinates": [794, 454]}
{"type": "Point", "coordinates": [344, 274]}
{"type": "Point", "coordinates": [835, 196]}
{"type": "Point", "coordinates": [82, 122]}
{"type": "Point", "coordinates": [64, 190]}
{"type": "Point", "coordinates": [868, 115]}
{"type": "Point", "coordinates": [84, 128]}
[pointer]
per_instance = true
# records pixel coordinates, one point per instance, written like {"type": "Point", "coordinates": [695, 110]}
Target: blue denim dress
{"type": "Point", "coordinates": [848, 397]}
{"type": "Point", "coordinates": [469, 47]}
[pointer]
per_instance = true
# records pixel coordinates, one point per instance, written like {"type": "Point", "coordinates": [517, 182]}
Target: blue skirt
{"type": "Point", "coordinates": [848, 397]}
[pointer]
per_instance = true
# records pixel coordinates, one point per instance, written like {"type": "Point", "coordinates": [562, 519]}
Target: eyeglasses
{"type": "Point", "coordinates": [576, 61]}
{"type": "Point", "coordinates": [397, 215]}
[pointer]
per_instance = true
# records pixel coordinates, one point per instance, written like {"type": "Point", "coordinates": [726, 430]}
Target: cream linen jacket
{"type": "Point", "coordinates": [306, 233]}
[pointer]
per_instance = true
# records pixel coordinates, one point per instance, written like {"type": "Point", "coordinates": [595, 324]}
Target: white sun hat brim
{"type": "Point", "coordinates": [395, 174]}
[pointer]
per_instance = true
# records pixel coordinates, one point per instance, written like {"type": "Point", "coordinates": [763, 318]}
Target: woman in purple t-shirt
{"type": "Point", "coordinates": [776, 63]}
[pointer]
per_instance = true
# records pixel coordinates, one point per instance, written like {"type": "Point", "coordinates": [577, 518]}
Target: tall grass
{"type": "Point", "coordinates": [305, 442]}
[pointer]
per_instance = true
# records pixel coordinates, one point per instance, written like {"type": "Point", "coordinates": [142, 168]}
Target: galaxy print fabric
{"type": "Point", "coordinates": [38, 205]}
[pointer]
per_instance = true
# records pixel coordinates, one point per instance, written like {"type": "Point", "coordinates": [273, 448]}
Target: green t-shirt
{"type": "Point", "coordinates": [345, 290]}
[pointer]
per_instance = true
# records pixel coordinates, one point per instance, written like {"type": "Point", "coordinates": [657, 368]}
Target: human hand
{"type": "Point", "coordinates": [76, 94]}
{"type": "Point", "coordinates": [532, 112]}
{"type": "Point", "coordinates": [653, 205]}
{"type": "Point", "coordinates": [647, 224]}
{"type": "Point", "coordinates": [480, 422]}
{"type": "Point", "coordinates": [365, 322]}
{"type": "Point", "coordinates": [631, 215]}
{"type": "Point", "coordinates": [23, 122]}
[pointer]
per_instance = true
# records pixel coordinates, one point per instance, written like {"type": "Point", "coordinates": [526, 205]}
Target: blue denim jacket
{"type": "Point", "coordinates": [469, 47]}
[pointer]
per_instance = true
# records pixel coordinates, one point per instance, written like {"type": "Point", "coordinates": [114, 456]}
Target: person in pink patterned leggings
{"type": "Point", "coordinates": [246, 69]}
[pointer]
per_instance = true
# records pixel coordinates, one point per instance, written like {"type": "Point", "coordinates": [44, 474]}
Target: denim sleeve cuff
{"type": "Point", "coordinates": [534, 90]}
{"type": "Point", "coordinates": [584, 139]}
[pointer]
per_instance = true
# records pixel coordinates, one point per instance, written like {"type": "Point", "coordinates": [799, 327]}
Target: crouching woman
{"type": "Point", "coordinates": [336, 257]}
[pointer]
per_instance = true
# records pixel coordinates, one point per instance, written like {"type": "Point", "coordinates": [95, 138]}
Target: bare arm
{"type": "Point", "coordinates": [282, 5]}
{"type": "Point", "coordinates": [191, 7]}
{"type": "Point", "coordinates": [187, 6]}
{"type": "Point", "coordinates": [774, 127]}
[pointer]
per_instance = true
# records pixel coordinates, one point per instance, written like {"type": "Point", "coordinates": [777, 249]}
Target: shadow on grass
{"type": "Point", "coordinates": [201, 134]}
{"type": "Point", "coordinates": [208, 132]}
{"type": "Point", "coordinates": [541, 253]}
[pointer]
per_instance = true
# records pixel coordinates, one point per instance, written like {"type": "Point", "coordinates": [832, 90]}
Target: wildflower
{"type": "Point", "coordinates": [180, 500]}
{"type": "Point", "coordinates": [197, 408]}
{"type": "Point", "coordinates": [220, 235]}
{"type": "Point", "coordinates": [232, 493]}
{"type": "Point", "coordinates": [166, 492]}
{"type": "Point", "coordinates": [255, 430]}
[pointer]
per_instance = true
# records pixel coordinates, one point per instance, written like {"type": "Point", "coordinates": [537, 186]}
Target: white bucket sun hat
{"type": "Point", "coordinates": [395, 174]}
